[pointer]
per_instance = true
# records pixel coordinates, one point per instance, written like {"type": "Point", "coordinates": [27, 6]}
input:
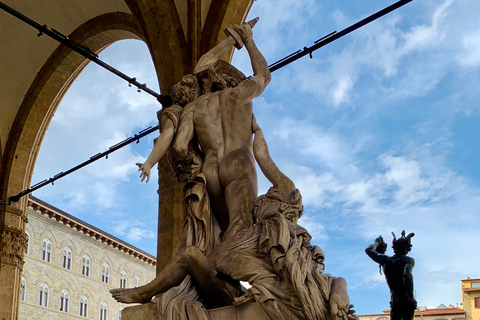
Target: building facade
{"type": "Point", "coordinates": [471, 298]}
{"type": "Point", "coordinates": [70, 266]}
{"type": "Point", "coordinates": [470, 306]}
{"type": "Point", "coordinates": [440, 313]}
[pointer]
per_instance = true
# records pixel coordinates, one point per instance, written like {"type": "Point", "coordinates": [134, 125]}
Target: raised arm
{"type": "Point", "coordinates": [375, 256]}
{"type": "Point", "coordinates": [185, 132]}
{"type": "Point", "coordinates": [266, 164]}
{"type": "Point", "coordinates": [161, 145]}
{"type": "Point", "coordinates": [253, 87]}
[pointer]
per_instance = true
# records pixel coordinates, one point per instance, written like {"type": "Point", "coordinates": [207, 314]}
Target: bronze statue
{"type": "Point", "coordinates": [398, 272]}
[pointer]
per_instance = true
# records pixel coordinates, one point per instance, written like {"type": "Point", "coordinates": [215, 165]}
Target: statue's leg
{"type": "Point", "coordinates": [215, 192]}
{"type": "Point", "coordinates": [188, 260]}
{"type": "Point", "coordinates": [238, 175]}
{"type": "Point", "coordinates": [396, 311]}
{"type": "Point", "coordinates": [408, 312]}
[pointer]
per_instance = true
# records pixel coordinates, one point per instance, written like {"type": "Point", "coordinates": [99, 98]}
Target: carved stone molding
{"type": "Point", "coordinates": [13, 242]}
{"type": "Point", "coordinates": [14, 216]}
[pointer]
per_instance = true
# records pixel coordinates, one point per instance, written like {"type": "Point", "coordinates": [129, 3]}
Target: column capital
{"type": "Point", "coordinates": [13, 242]}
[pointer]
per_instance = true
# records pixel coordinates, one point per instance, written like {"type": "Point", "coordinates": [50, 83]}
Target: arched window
{"type": "Point", "coordinates": [28, 242]}
{"type": "Point", "coordinates": [23, 289]}
{"type": "Point", "coordinates": [105, 273]}
{"type": "Point", "coordinates": [103, 311]}
{"type": "Point", "coordinates": [123, 280]}
{"type": "Point", "coordinates": [86, 266]}
{"type": "Point", "coordinates": [64, 297]}
{"type": "Point", "coordinates": [43, 295]}
{"type": "Point", "coordinates": [83, 306]}
{"type": "Point", "coordinates": [46, 250]}
{"type": "Point", "coordinates": [67, 258]}
{"type": "Point", "coordinates": [136, 282]}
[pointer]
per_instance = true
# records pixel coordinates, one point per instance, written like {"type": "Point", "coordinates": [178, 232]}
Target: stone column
{"type": "Point", "coordinates": [13, 241]}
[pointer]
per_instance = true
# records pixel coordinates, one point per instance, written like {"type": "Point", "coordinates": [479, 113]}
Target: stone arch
{"type": "Point", "coordinates": [30, 231]}
{"type": "Point", "coordinates": [47, 90]}
{"type": "Point", "coordinates": [64, 284]}
{"type": "Point", "coordinates": [26, 275]}
{"type": "Point", "coordinates": [69, 244]}
{"type": "Point", "coordinates": [138, 273]}
{"type": "Point", "coordinates": [84, 292]}
{"type": "Point", "coordinates": [88, 252]}
{"type": "Point", "coordinates": [224, 13]}
{"type": "Point", "coordinates": [45, 279]}
{"type": "Point", "coordinates": [123, 267]}
{"type": "Point", "coordinates": [150, 279]}
{"type": "Point", "coordinates": [106, 259]}
{"type": "Point", "coordinates": [47, 234]}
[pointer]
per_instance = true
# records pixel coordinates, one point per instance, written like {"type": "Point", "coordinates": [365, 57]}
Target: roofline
{"type": "Point", "coordinates": [88, 229]}
{"type": "Point", "coordinates": [440, 312]}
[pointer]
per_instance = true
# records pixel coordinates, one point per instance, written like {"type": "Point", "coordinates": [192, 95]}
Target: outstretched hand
{"type": "Point", "coordinates": [145, 171]}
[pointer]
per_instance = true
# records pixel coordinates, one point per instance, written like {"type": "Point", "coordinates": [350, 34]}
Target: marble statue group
{"type": "Point", "coordinates": [212, 141]}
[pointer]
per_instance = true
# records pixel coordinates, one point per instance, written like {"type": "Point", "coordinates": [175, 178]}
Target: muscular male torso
{"type": "Point", "coordinates": [223, 124]}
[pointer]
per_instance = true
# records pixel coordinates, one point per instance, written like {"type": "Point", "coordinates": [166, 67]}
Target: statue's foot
{"type": "Point", "coordinates": [133, 295]}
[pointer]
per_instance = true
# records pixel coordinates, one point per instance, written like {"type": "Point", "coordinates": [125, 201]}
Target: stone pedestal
{"type": "Point", "coordinates": [245, 311]}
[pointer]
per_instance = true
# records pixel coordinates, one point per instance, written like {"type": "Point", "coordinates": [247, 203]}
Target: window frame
{"type": "Point", "coordinates": [105, 273]}
{"type": "Point", "coordinates": [23, 289]}
{"type": "Point", "coordinates": [86, 262]}
{"type": "Point", "coordinates": [103, 310]}
{"type": "Point", "coordinates": [67, 258]}
{"type": "Point", "coordinates": [43, 295]}
{"type": "Point", "coordinates": [27, 244]}
{"type": "Point", "coordinates": [46, 250]}
{"type": "Point", "coordinates": [83, 307]}
{"type": "Point", "coordinates": [64, 298]}
{"type": "Point", "coordinates": [123, 279]}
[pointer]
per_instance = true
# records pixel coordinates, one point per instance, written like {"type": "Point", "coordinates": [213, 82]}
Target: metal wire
{"type": "Point", "coordinates": [93, 158]}
{"type": "Point", "coordinates": [85, 52]}
{"type": "Point", "coordinates": [166, 100]}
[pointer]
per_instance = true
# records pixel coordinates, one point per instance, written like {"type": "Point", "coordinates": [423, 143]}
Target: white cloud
{"type": "Point", "coordinates": [137, 234]}
{"type": "Point", "coordinates": [470, 55]}
{"type": "Point", "coordinates": [133, 230]}
{"type": "Point", "coordinates": [318, 144]}
{"type": "Point", "coordinates": [382, 50]}
{"type": "Point", "coordinates": [424, 36]}
{"type": "Point", "coordinates": [316, 230]}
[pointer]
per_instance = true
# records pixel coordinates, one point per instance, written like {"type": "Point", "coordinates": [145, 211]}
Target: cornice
{"type": "Point", "coordinates": [89, 230]}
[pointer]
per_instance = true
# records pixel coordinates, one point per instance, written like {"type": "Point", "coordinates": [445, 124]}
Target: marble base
{"type": "Point", "coordinates": [245, 311]}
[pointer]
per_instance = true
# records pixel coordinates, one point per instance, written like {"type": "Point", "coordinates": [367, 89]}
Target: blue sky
{"type": "Point", "coordinates": [378, 131]}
